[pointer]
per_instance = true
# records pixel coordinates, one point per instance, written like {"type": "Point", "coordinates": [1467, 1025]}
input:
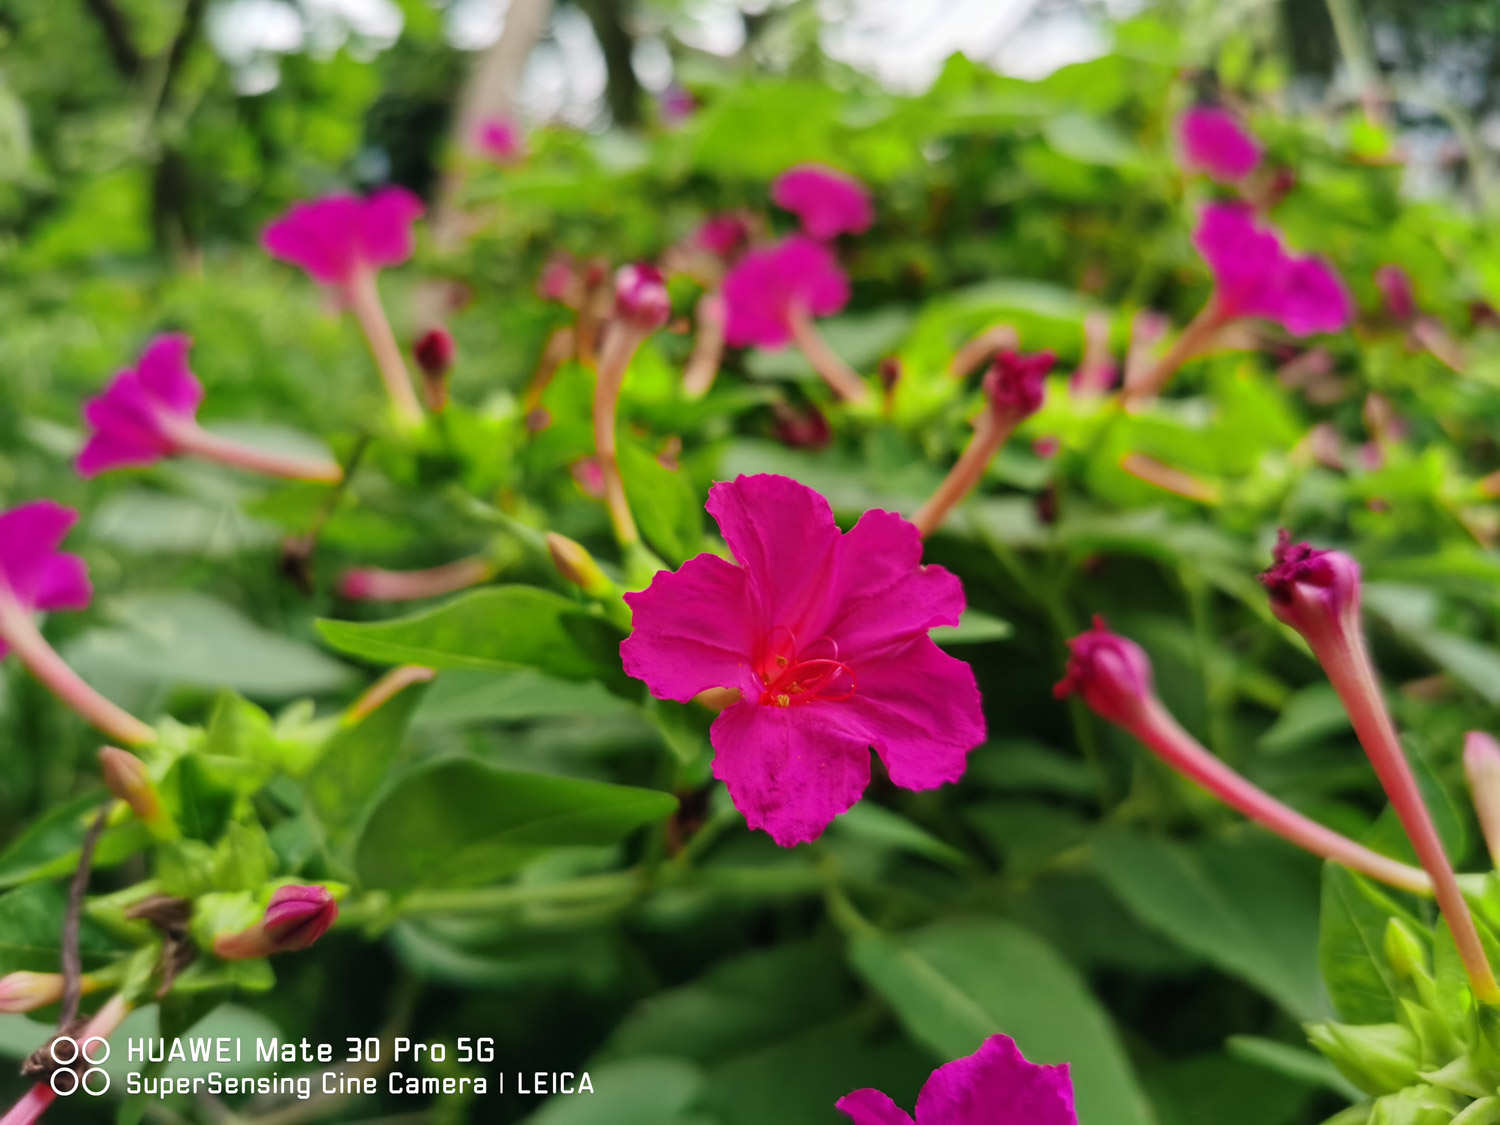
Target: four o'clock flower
{"type": "Point", "coordinates": [1213, 141]}
{"type": "Point", "coordinates": [296, 916]}
{"type": "Point", "coordinates": [1254, 276]}
{"type": "Point", "coordinates": [36, 576]}
{"type": "Point", "coordinates": [827, 202]}
{"type": "Point", "coordinates": [501, 139]}
{"type": "Point", "coordinates": [993, 1086]}
{"type": "Point", "coordinates": [1112, 675]}
{"type": "Point", "coordinates": [824, 636]}
{"type": "Point", "coordinates": [149, 412]}
{"type": "Point", "coordinates": [1317, 593]}
{"type": "Point", "coordinates": [1013, 389]}
{"type": "Point", "coordinates": [342, 241]}
{"type": "Point", "coordinates": [771, 297]}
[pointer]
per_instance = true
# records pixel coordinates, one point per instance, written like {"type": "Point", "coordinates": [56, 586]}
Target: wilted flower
{"type": "Point", "coordinates": [1214, 141]}
{"type": "Point", "coordinates": [824, 635]}
{"type": "Point", "coordinates": [1016, 383]}
{"type": "Point", "coordinates": [434, 355]}
{"type": "Point", "coordinates": [1314, 591]}
{"type": "Point", "coordinates": [337, 237]}
{"type": "Point", "coordinates": [827, 202]}
{"type": "Point", "coordinates": [993, 1086]}
{"type": "Point", "coordinates": [1395, 288]}
{"type": "Point", "coordinates": [501, 139]}
{"type": "Point", "coordinates": [804, 427]}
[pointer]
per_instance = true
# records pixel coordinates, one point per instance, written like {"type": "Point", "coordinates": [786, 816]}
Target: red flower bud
{"type": "Point", "coordinates": [1312, 590]}
{"type": "Point", "coordinates": [434, 352]}
{"type": "Point", "coordinates": [299, 915]}
{"type": "Point", "coordinates": [641, 296]}
{"type": "Point", "coordinates": [1110, 672]}
{"type": "Point", "coordinates": [1016, 384]}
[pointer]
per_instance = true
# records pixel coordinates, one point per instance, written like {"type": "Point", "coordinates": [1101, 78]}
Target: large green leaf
{"type": "Point", "coordinates": [31, 921]}
{"type": "Point", "coordinates": [1251, 908]}
{"type": "Point", "coordinates": [1351, 946]}
{"type": "Point", "coordinates": [955, 983]}
{"type": "Point", "coordinates": [501, 627]}
{"type": "Point", "coordinates": [50, 846]}
{"type": "Point", "coordinates": [459, 822]}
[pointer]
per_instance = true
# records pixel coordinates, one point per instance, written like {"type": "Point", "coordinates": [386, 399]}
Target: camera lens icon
{"type": "Point", "coordinates": [68, 1079]}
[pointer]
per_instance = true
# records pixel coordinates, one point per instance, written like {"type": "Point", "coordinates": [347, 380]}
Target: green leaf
{"type": "Point", "coordinates": [1351, 947]}
{"type": "Point", "coordinates": [664, 502]}
{"type": "Point", "coordinates": [1250, 908]}
{"type": "Point", "coordinates": [188, 638]}
{"type": "Point", "coordinates": [31, 920]}
{"type": "Point", "coordinates": [975, 628]}
{"type": "Point", "coordinates": [955, 983]}
{"type": "Point", "coordinates": [870, 826]}
{"type": "Point", "coordinates": [458, 822]}
{"type": "Point", "coordinates": [50, 846]}
{"type": "Point", "coordinates": [501, 627]}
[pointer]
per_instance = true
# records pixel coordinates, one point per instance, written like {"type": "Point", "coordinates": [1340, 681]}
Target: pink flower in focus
{"type": "Point", "coordinates": [337, 236]}
{"type": "Point", "coordinates": [1254, 275]}
{"type": "Point", "coordinates": [1214, 141]}
{"type": "Point", "coordinates": [501, 139]}
{"type": "Point", "coordinates": [993, 1086]}
{"type": "Point", "coordinates": [723, 235]}
{"type": "Point", "coordinates": [1112, 674]}
{"type": "Point", "coordinates": [827, 202]}
{"type": "Point", "coordinates": [1395, 290]}
{"type": "Point", "coordinates": [34, 575]}
{"type": "Point", "coordinates": [132, 420]}
{"type": "Point", "coordinates": [762, 289]}
{"type": "Point", "coordinates": [824, 635]}
{"type": "Point", "coordinates": [641, 296]}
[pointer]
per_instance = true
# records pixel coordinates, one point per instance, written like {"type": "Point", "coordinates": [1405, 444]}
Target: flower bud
{"type": "Point", "coordinates": [575, 564]}
{"type": "Point", "coordinates": [1112, 673]}
{"type": "Point", "coordinates": [1378, 1058]}
{"type": "Point", "coordinates": [1404, 951]}
{"type": "Point", "coordinates": [434, 355]}
{"type": "Point", "coordinates": [1395, 290]}
{"type": "Point", "coordinates": [26, 992]}
{"type": "Point", "coordinates": [297, 916]}
{"type": "Point", "coordinates": [127, 778]}
{"type": "Point", "coordinates": [1482, 768]}
{"type": "Point", "coordinates": [1312, 590]}
{"type": "Point", "coordinates": [1016, 384]}
{"type": "Point", "coordinates": [641, 296]}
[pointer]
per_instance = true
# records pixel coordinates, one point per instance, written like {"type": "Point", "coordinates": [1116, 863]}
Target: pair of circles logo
{"type": "Point", "coordinates": [67, 1079]}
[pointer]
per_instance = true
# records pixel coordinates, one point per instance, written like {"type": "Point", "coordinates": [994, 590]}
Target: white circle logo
{"type": "Point", "coordinates": [65, 1051]}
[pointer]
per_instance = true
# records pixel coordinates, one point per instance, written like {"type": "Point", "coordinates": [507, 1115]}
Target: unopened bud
{"type": "Point", "coordinates": [26, 992]}
{"type": "Point", "coordinates": [434, 355]}
{"type": "Point", "coordinates": [1110, 672]}
{"type": "Point", "coordinates": [1016, 384]}
{"type": "Point", "coordinates": [641, 296]}
{"type": "Point", "coordinates": [575, 564]}
{"type": "Point", "coordinates": [1378, 1058]}
{"type": "Point", "coordinates": [1482, 768]}
{"type": "Point", "coordinates": [297, 916]}
{"type": "Point", "coordinates": [127, 777]}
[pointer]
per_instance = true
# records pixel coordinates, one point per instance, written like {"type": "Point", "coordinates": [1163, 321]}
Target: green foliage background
{"type": "Point", "coordinates": [1069, 891]}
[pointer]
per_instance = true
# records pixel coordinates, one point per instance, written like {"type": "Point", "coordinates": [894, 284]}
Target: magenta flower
{"type": "Point", "coordinates": [135, 418]}
{"type": "Point", "coordinates": [723, 235]}
{"type": "Point", "coordinates": [1112, 674]}
{"type": "Point", "coordinates": [1254, 275]}
{"type": "Point", "coordinates": [1016, 384]}
{"type": "Point", "coordinates": [501, 139]}
{"type": "Point", "coordinates": [1313, 590]}
{"type": "Point", "coordinates": [827, 202]}
{"type": "Point", "coordinates": [993, 1086]}
{"type": "Point", "coordinates": [1214, 141]}
{"type": "Point", "coordinates": [338, 236]}
{"type": "Point", "coordinates": [824, 634]}
{"type": "Point", "coordinates": [148, 412]}
{"type": "Point", "coordinates": [34, 575]}
{"type": "Point", "coordinates": [296, 917]}
{"type": "Point", "coordinates": [772, 285]}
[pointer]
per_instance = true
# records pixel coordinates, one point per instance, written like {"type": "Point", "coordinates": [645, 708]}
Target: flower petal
{"type": "Point", "coordinates": [784, 536]}
{"type": "Point", "coordinates": [691, 630]}
{"type": "Point", "coordinates": [108, 450]}
{"type": "Point", "coordinates": [871, 1107]}
{"type": "Point", "coordinates": [922, 710]}
{"type": "Point", "coordinates": [62, 583]}
{"type": "Point", "coordinates": [997, 1086]}
{"type": "Point", "coordinates": [385, 226]}
{"type": "Point", "coordinates": [163, 372]}
{"type": "Point", "coordinates": [29, 534]}
{"type": "Point", "coordinates": [790, 770]}
{"type": "Point", "coordinates": [884, 596]}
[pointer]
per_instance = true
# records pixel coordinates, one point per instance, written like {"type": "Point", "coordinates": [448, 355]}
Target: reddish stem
{"type": "Point", "coordinates": [1193, 340]}
{"type": "Point", "coordinates": [364, 303]}
{"type": "Point", "coordinates": [990, 433]}
{"type": "Point", "coordinates": [842, 378]}
{"type": "Point", "coordinates": [192, 439]}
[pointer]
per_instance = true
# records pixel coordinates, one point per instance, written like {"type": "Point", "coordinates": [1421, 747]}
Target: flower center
{"type": "Point", "coordinates": [791, 674]}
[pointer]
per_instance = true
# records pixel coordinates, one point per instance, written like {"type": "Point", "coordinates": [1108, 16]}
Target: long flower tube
{"type": "Point", "coordinates": [1317, 593]}
{"type": "Point", "coordinates": [35, 1101]}
{"type": "Point", "coordinates": [373, 584]}
{"type": "Point", "coordinates": [840, 377]}
{"type": "Point", "coordinates": [1113, 676]}
{"type": "Point", "coordinates": [708, 347]}
{"type": "Point", "coordinates": [1014, 391]}
{"type": "Point", "coordinates": [194, 440]}
{"type": "Point", "coordinates": [364, 302]}
{"type": "Point", "coordinates": [1482, 768]}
